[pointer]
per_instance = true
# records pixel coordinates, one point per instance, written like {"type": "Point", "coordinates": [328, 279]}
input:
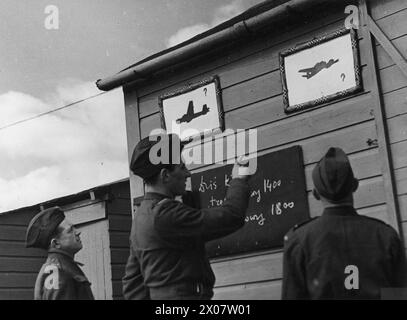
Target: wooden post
{"type": "Point", "coordinates": [387, 45]}
{"type": "Point", "coordinates": [133, 131]}
{"type": "Point", "coordinates": [381, 125]}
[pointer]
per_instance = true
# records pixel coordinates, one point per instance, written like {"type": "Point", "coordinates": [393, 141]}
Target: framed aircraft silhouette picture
{"type": "Point", "coordinates": [193, 111]}
{"type": "Point", "coordinates": [321, 70]}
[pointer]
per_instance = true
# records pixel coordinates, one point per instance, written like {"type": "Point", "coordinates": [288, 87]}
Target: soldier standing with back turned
{"type": "Point", "coordinates": [323, 254]}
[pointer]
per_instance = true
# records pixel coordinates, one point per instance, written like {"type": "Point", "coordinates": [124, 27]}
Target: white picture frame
{"type": "Point", "coordinates": [321, 70]}
{"type": "Point", "coordinates": [194, 110]}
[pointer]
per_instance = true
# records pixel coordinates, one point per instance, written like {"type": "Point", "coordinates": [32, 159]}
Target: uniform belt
{"type": "Point", "coordinates": [184, 288]}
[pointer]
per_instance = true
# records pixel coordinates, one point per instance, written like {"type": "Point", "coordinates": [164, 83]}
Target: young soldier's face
{"type": "Point", "coordinates": [177, 179]}
{"type": "Point", "coordinates": [68, 238]}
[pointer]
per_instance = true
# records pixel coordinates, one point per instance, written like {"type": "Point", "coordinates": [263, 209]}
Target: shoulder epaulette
{"type": "Point", "coordinates": [298, 225]}
{"type": "Point", "coordinates": [53, 262]}
{"type": "Point", "coordinates": [161, 202]}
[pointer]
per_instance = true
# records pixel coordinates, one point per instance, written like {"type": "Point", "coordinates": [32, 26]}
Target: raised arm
{"type": "Point", "coordinates": [175, 220]}
{"type": "Point", "coordinates": [179, 222]}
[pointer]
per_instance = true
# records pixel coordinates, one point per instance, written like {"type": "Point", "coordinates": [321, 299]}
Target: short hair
{"type": "Point", "coordinates": [153, 179]}
{"type": "Point", "coordinates": [55, 234]}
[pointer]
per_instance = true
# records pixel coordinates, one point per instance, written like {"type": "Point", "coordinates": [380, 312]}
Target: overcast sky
{"type": "Point", "coordinates": [82, 146]}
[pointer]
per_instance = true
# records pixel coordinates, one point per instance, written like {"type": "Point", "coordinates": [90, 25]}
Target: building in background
{"type": "Point", "coordinates": [102, 214]}
{"type": "Point", "coordinates": [244, 55]}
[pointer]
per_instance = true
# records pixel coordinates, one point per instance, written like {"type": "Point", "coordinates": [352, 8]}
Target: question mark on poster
{"type": "Point", "coordinates": [343, 76]}
{"type": "Point", "coordinates": [206, 90]}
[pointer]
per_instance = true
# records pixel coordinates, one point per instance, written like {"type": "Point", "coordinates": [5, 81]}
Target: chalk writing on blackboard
{"type": "Point", "coordinates": [276, 209]}
{"type": "Point", "coordinates": [268, 186]}
{"type": "Point", "coordinates": [258, 218]}
{"type": "Point", "coordinates": [278, 200]}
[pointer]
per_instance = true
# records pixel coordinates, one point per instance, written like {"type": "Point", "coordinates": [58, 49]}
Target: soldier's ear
{"type": "Point", "coordinates": [316, 194]}
{"type": "Point", "coordinates": [53, 243]}
{"type": "Point", "coordinates": [164, 174]}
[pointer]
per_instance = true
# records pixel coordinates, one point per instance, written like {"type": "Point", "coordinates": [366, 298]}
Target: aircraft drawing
{"type": "Point", "coordinates": [190, 115]}
{"type": "Point", "coordinates": [310, 72]}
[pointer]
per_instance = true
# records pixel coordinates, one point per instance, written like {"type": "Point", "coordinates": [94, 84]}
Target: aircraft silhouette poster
{"type": "Point", "coordinates": [195, 110]}
{"type": "Point", "coordinates": [320, 71]}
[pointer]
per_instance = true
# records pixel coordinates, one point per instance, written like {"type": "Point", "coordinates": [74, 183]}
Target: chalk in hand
{"type": "Point", "coordinates": [244, 168]}
{"type": "Point", "coordinates": [242, 161]}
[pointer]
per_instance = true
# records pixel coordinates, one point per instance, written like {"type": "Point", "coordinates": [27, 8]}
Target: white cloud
{"type": "Point", "coordinates": [228, 11]}
{"type": "Point", "coordinates": [14, 104]}
{"type": "Point", "coordinates": [64, 152]}
{"type": "Point", "coordinates": [222, 14]}
{"type": "Point", "coordinates": [186, 33]}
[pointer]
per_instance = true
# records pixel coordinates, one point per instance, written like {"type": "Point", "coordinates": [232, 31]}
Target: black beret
{"type": "Point", "coordinates": [147, 165]}
{"type": "Point", "coordinates": [333, 176]}
{"type": "Point", "coordinates": [42, 227]}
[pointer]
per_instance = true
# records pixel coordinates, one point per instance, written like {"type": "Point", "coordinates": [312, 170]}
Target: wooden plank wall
{"type": "Point", "coordinates": [252, 98]}
{"type": "Point", "coordinates": [119, 214]}
{"type": "Point", "coordinates": [390, 16]}
{"type": "Point", "coordinates": [95, 256]}
{"type": "Point", "coordinates": [19, 265]}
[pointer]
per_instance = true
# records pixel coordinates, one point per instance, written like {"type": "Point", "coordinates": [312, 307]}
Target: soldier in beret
{"type": "Point", "coordinates": [340, 255]}
{"type": "Point", "coordinates": [60, 278]}
{"type": "Point", "coordinates": [167, 255]}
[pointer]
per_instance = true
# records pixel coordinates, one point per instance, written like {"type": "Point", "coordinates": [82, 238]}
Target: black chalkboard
{"type": "Point", "coordinates": [278, 201]}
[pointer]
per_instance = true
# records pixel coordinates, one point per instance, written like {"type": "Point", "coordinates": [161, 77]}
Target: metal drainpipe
{"type": "Point", "coordinates": [239, 30]}
{"type": "Point", "coordinates": [174, 57]}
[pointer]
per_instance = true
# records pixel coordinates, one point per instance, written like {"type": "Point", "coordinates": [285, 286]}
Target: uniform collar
{"type": "Point", "coordinates": [345, 210]}
{"type": "Point", "coordinates": [155, 196]}
{"type": "Point", "coordinates": [64, 253]}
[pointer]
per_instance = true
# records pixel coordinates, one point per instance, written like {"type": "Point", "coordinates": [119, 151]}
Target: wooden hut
{"type": "Point", "coordinates": [246, 55]}
{"type": "Point", "coordinates": [102, 214]}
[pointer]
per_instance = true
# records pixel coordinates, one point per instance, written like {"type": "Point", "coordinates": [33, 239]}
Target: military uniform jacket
{"type": "Point", "coordinates": [61, 278]}
{"type": "Point", "coordinates": [167, 255]}
{"type": "Point", "coordinates": [342, 255]}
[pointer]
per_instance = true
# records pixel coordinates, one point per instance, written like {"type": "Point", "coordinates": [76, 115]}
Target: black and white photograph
{"type": "Point", "coordinates": [201, 157]}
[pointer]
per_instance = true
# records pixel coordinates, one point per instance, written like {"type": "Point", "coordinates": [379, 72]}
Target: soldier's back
{"type": "Point", "coordinates": [346, 255]}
